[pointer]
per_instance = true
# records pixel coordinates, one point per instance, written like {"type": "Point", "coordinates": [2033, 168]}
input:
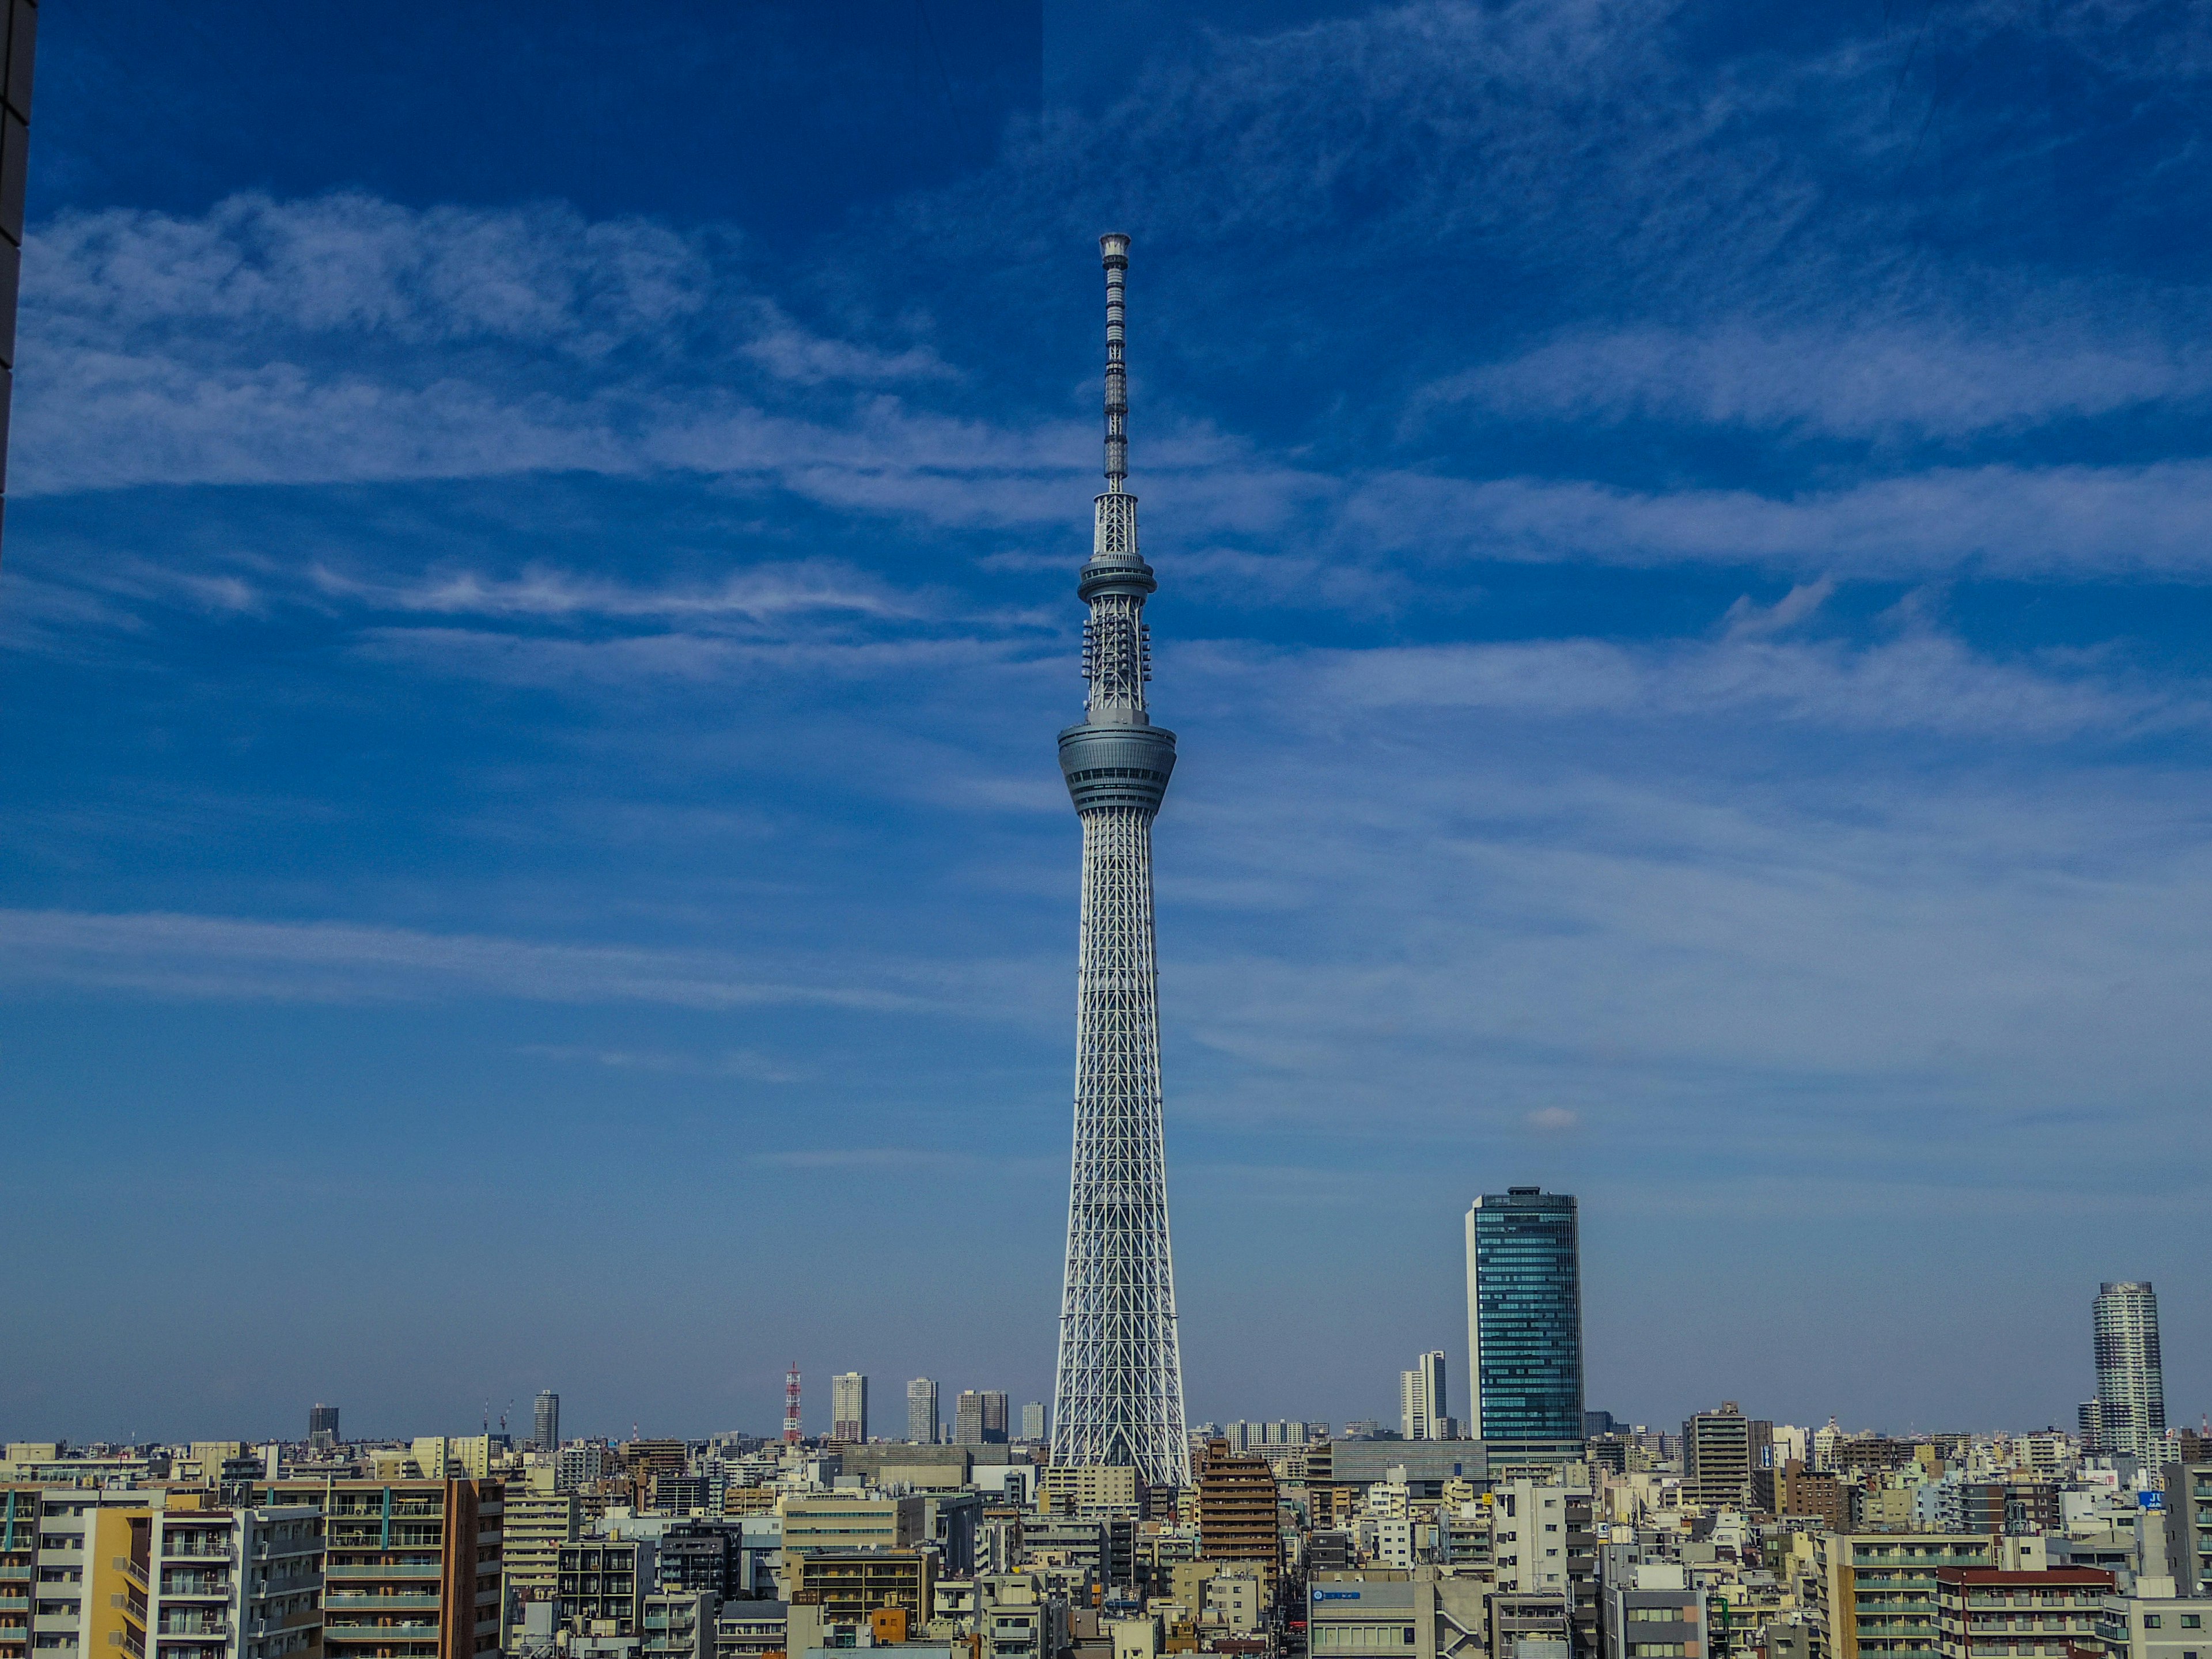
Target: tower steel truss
{"type": "Point", "coordinates": [1118, 1398]}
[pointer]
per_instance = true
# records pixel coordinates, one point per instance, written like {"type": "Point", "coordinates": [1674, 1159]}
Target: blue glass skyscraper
{"type": "Point", "coordinates": [1524, 1316]}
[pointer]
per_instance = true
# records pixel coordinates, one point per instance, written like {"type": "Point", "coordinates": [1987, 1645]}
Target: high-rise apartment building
{"type": "Point", "coordinates": [978, 1418]}
{"type": "Point", "coordinates": [19, 1567]}
{"type": "Point", "coordinates": [1421, 1405]}
{"type": "Point", "coordinates": [242, 1583]}
{"type": "Point", "coordinates": [2188, 1547]}
{"type": "Point", "coordinates": [21, 28]}
{"type": "Point", "coordinates": [1033, 1421]}
{"type": "Point", "coordinates": [1525, 1317]}
{"type": "Point", "coordinates": [2130, 1376]}
{"type": "Point", "coordinates": [322, 1427]}
{"type": "Point", "coordinates": [575, 1467]}
{"type": "Point", "coordinates": [545, 1424]}
{"type": "Point", "coordinates": [537, 1522]}
{"type": "Point", "coordinates": [412, 1567]}
{"type": "Point", "coordinates": [1235, 1511]}
{"type": "Point", "coordinates": [922, 1424]}
{"type": "Point", "coordinates": [603, 1582]}
{"type": "Point", "coordinates": [1721, 1451]}
{"type": "Point", "coordinates": [86, 1561]}
{"type": "Point", "coordinates": [849, 1407]}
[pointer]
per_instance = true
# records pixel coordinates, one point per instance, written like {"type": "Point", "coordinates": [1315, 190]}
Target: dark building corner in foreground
{"type": "Point", "coordinates": [22, 33]}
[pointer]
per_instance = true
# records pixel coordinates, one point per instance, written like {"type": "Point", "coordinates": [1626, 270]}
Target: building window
{"type": "Point", "coordinates": [2150, 1622]}
{"type": "Point", "coordinates": [2190, 1621]}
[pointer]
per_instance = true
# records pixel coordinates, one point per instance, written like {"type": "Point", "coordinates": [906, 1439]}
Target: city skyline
{"type": "Point", "coordinates": [525, 652]}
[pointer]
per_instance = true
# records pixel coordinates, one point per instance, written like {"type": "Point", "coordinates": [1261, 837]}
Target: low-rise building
{"type": "Point", "coordinates": [751, 1630]}
{"type": "Point", "coordinates": [1087, 1492]}
{"type": "Point", "coordinates": [1530, 1625]}
{"type": "Point", "coordinates": [1873, 1596]}
{"type": "Point", "coordinates": [1655, 1613]}
{"type": "Point", "coordinates": [681, 1624]}
{"type": "Point", "coordinates": [2137, 1627]}
{"type": "Point", "coordinates": [1423, 1613]}
{"type": "Point", "coordinates": [1016, 1617]}
{"type": "Point", "coordinates": [847, 1586]}
{"type": "Point", "coordinates": [833, 1520]}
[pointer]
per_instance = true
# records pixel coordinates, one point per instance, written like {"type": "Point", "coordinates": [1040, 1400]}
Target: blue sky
{"type": "Point", "coordinates": [538, 595]}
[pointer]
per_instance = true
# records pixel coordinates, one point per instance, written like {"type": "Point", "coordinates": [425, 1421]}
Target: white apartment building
{"type": "Point", "coordinates": [236, 1584]}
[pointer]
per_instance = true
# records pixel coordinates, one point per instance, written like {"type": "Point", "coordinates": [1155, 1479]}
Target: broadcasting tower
{"type": "Point", "coordinates": [1118, 1400]}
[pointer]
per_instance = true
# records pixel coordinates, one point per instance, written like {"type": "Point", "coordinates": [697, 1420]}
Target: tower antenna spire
{"type": "Point", "coordinates": [1113, 254]}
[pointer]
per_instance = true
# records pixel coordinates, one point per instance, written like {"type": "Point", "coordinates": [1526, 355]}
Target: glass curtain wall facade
{"type": "Point", "coordinates": [1524, 1316]}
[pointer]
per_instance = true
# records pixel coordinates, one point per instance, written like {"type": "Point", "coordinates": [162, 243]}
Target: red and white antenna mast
{"type": "Point", "coordinates": [791, 1432]}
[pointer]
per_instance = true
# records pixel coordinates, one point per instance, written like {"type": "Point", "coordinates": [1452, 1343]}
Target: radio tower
{"type": "Point", "coordinates": [791, 1432]}
{"type": "Point", "coordinates": [1117, 1401]}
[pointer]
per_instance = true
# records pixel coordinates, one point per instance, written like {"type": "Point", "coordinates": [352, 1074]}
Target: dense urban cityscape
{"type": "Point", "coordinates": [1531, 1528]}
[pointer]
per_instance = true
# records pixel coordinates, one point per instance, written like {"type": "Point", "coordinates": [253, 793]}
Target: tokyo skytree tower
{"type": "Point", "coordinates": [1118, 1399]}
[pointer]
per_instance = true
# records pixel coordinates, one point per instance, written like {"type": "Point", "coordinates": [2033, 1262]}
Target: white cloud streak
{"type": "Point", "coordinates": [236, 959]}
{"type": "Point", "coordinates": [1880, 378]}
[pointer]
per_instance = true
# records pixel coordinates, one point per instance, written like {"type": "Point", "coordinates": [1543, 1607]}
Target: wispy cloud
{"type": "Point", "coordinates": [544, 593]}
{"type": "Point", "coordinates": [740, 1063]}
{"type": "Point", "coordinates": [1876, 378]}
{"type": "Point", "coordinates": [2053, 522]}
{"type": "Point", "coordinates": [1916, 679]}
{"type": "Point", "coordinates": [196, 957]}
{"type": "Point", "coordinates": [902, 1159]}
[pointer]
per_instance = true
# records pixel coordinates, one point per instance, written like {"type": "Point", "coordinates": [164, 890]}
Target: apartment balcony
{"type": "Point", "coordinates": [428, 1568]}
{"type": "Point", "coordinates": [194, 1629]}
{"type": "Point", "coordinates": [15, 1604]}
{"type": "Point", "coordinates": [397, 1629]}
{"type": "Point", "coordinates": [195, 1586]}
{"type": "Point", "coordinates": [186, 1547]}
{"type": "Point", "coordinates": [342, 1602]}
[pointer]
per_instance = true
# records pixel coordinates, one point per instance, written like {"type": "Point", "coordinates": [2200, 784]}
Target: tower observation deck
{"type": "Point", "coordinates": [1118, 1396]}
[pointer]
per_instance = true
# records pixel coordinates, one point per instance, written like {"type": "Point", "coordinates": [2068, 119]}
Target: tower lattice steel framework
{"type": "Point", "coordinates": [1118, 1398]}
